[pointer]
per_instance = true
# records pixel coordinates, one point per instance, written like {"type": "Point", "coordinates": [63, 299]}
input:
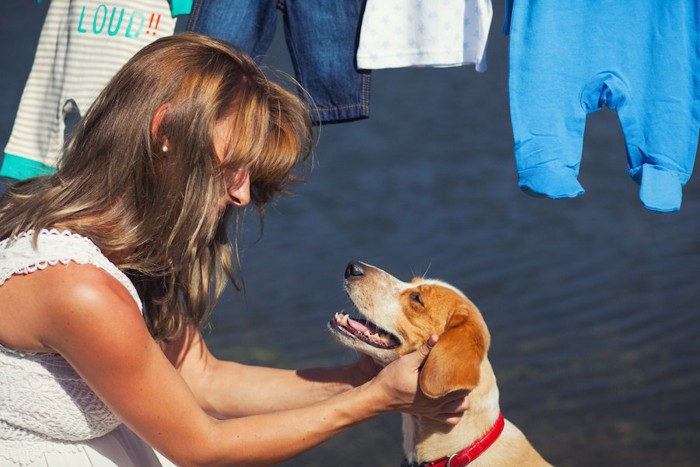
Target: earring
{"type": "Point", "coordinates": [164, 148]}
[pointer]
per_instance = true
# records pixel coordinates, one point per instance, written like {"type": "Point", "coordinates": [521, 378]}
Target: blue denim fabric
{"type": "Point", "coordinates": [321, 37]}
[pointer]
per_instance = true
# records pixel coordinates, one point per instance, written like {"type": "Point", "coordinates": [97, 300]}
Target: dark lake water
{"type": "Point", "coordinates": [592, 303]}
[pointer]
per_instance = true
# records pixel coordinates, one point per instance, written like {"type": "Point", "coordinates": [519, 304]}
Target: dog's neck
{"type": "Point", "coordinates": [426, 439]}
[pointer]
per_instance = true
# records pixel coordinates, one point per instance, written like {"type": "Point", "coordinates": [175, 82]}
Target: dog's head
{"type": "Point", "coordinates": [398, 317]}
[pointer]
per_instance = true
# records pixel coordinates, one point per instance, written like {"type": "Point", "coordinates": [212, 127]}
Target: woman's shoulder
{"type": "Point", "coordinates": [82, 284]}
{"type": "Point", "coordinates": [31, 251]}
{"type": "Point", "coordinates": [46, 297]}
{"type": "Point", "coordinates": [51, 301]}
{"type": "Point", "coordinates": [84, 292]}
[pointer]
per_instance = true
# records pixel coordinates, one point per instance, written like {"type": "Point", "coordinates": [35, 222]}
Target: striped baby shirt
{"type": "Point", "coordinates": [81, 46]}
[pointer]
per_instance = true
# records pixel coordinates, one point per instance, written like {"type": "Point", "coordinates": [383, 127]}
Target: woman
{"type": "Point", "coordinates": [110, 267]}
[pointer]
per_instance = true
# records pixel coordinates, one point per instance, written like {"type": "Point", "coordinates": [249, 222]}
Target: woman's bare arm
{"type": "Point", "coordinates": [228, 389]}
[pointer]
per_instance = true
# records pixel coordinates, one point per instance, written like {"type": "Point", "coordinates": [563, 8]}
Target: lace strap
{"type": "Point", "coordinates": [19, 255]}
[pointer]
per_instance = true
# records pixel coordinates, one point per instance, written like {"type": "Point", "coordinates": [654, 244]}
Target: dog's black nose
{"type": "Point", "coordinates": [354, 269]}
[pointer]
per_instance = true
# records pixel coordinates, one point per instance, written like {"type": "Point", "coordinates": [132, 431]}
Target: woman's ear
{"type": "Point", "coordinates": [455, 361]}
{"type": "Point", "coordinates": [155, 125]}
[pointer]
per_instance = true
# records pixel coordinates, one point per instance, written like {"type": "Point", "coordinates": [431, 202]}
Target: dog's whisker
{"type": "Point", "coordinates": [425, 274]}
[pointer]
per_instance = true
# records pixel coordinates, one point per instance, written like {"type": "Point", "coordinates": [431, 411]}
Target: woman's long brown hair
{"type": "Point", "coordinates": [158, 214]}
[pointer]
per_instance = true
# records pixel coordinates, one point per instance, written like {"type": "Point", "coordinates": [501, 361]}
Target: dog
{"type": "Point", "coordinates": [397, 318]}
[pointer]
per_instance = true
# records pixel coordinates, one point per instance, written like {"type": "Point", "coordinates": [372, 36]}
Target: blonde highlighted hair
{"type": "Point", "coordinates": [158, 214]}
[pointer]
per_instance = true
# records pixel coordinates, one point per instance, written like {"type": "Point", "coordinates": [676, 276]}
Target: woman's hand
{"type": "Point", "coordinates": [400, 381]}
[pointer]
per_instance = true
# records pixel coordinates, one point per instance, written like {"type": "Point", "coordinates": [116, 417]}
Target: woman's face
{"type": "Point", "coordinates": [237, 181]}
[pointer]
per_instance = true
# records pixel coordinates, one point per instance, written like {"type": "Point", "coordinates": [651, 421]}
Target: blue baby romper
{"type": "Point", "coordinates": [571, 58]}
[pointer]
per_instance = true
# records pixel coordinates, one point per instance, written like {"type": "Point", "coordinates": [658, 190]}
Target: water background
{"type": "Point", "coordinates": [593, 303]}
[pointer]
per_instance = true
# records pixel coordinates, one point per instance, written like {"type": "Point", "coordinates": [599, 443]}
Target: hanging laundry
{"type": "Point", "coordinates": [321, 38]}
{"type": "Point", "coordinates": [82, 45]}
{"type": "Point", "coordinates": [438, 33]}
{"type": "Point", "coordinates": [641, 59]}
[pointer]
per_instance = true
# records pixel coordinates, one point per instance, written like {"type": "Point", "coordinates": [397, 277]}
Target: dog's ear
{"type": "Point", "coordinates": [455, 360]}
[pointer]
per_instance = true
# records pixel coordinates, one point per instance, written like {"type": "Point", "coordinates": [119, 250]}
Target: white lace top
{"type": "Point", "coordinates": [43, 401]}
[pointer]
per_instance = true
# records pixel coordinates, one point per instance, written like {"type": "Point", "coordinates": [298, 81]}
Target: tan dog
{"type": "Point", "coordinates": [397, 318]}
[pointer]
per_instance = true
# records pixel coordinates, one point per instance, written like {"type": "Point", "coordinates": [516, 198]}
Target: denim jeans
{"type": "Point", "coordinates": [321, 37]}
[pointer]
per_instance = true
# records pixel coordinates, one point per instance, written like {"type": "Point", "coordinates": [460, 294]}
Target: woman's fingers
{"type": "Point", "coordinates": [421, 354]}
{"type": "Point", "coordinates": [429, 344]}
{"type": "Point", "coordinates": [401, 377]}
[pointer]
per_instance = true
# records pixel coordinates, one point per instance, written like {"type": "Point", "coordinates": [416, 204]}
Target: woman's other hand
{"type": "Point", "coordinates": [399, 380]}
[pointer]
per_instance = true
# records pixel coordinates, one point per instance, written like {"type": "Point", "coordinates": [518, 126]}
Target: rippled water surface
{"type": "Point", "coordinates": [592, 303]}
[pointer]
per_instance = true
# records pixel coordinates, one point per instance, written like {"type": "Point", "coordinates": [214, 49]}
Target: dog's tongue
{"type": "Point", "coordinates": [357, 325]}
{"type": "Point", "coordinates": [366, 330]}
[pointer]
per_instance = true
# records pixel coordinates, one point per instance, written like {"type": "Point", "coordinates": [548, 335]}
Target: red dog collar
{"type": "Point", "coordinates": [471, 452]}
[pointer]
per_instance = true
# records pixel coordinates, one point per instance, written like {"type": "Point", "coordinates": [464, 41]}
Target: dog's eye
{"type": "Point", "coordinates": [415, 296]}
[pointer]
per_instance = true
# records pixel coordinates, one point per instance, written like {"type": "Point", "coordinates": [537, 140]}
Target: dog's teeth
{"type": "Point", "coordinates": [344, 320]}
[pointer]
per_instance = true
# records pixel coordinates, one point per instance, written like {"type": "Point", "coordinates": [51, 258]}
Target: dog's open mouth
{"type": "Point", "coordinates": [364, 330]}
